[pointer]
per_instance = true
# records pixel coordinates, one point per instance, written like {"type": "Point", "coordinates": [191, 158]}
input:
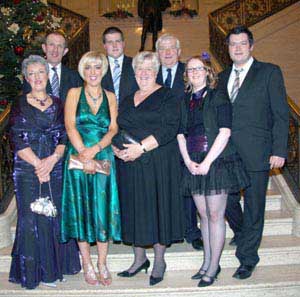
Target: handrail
{"type": "Point", "coordinates": [295, 108]}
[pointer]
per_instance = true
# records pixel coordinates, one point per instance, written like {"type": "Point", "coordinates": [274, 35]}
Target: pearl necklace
{"type": "Point", "coordinates": [94, 99]}
{"type": "Point", "coordinates": [40, 101]}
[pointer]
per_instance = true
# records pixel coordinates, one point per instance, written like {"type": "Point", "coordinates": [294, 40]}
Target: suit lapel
{"type": "Point", "coordinates": [178, 79]}
{"type": "Point", "coordinates": [248, 81]}
{"type": "Point", "coordinates": [123, 75]}
{"type": "Point", "coordinates": [63, 80]}
{"type": "Point", "coordinates": [159, 78]}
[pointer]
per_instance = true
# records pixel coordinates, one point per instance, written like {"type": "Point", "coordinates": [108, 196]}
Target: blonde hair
{"type": "Point", "coordinates": [212, 78]}
{"type": "Point", "coordinates": [93, 56]}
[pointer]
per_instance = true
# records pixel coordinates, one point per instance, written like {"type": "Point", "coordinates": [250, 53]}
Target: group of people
{"type": "Point", "coordinates": [179, 140]}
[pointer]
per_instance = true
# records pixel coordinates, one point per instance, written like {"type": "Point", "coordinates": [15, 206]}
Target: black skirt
{"type": "Point", "coordinates": [226, 175]}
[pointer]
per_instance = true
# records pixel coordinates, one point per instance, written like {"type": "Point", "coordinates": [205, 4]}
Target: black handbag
{"type": "Point", "coordinates": [123, 137]}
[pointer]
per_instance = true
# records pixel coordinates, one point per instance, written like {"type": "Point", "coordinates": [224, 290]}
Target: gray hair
{"type": "Point", "coordinates": [167, 36]}
{"type": "Point", "coordinates": [33, 59]}
{"type": "Point", "coordinates": [141, 57]}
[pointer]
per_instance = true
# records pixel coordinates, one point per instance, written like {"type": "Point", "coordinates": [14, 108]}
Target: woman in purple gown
{"type": "Point", "coordinates": [38, 137]}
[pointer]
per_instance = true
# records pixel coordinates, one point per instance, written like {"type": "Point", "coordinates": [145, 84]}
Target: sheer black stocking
{"type": "Point", "coordinates": [211, 209]}
{"type": "Point", "coordinates": [159, 265]}
{"type": "Point", "coordinates": [139, 258]}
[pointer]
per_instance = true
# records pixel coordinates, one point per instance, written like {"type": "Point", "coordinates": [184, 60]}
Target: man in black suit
{"type": "Point", "coordinates": [120, 78]}
{"type": "Point", "coordinates": [259, 132]}
{"type": "Point", "coordinates": [170, 74]}
{"type": "Point", "coordinates": [61, 78]}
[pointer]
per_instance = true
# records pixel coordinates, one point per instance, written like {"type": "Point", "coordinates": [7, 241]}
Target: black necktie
{"type": "Point", "coordinates": [169, 78]}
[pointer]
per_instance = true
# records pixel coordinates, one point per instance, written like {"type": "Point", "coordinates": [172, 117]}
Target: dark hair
{"type": "Point", "coordinates": [111, 30]}
{"type": "Point", "coordinates": [238, 30]}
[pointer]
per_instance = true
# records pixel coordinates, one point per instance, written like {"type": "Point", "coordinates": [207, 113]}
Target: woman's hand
{"type": "Point", "coordinates": [118, 153]}
{"type": "Point", "coordinates": [44, 167]}
{"type": "Point", "coordinates": [203, 168]}
{"type": "Point", "coordinates": [192, 167]}
{"type": "Point", "coordinates": [90, 166]}
{"type": "Point", "coordinates": [131, 152]}
{"type": "Point", "coordinates": [88, 153]}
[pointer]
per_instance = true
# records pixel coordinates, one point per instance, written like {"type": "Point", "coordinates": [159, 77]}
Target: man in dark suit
{"type": "Point", "coordinates": [259, 132]}
{"type": "Point", "coordinates": [170, 74]}
{"type": "Point", "coordinates": [120, 78]}
{"type": "Point", "coordinates": [61, 78]}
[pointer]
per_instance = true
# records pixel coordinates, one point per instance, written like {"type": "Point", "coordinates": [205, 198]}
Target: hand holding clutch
{"type": "Point", "coordinates": [123, 137]}
{"type": "Point", "coordinates": [103, 166]}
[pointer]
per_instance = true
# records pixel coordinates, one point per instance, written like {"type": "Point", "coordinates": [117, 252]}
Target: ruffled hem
{"type": "Point", "coordinates": [226, 175]}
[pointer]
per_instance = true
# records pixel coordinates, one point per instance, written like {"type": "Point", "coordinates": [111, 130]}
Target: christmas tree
{"type": "Point", "coordinates": [23, 25]}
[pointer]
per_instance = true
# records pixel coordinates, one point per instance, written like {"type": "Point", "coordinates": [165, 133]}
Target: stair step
{"type": "Point", "coordinates": [274, 250]}
{"type": "Point", "coordinates": [276, 223]}
{"type": "Point", "coordinates": [272, 226]}
{"type": "Point", "coordinates": [275, 281]}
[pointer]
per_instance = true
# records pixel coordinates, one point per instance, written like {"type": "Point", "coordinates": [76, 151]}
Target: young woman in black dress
{"type": "Point", "coordinates": [213, 168]}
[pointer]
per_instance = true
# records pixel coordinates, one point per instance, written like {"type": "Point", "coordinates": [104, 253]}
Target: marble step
{"type": "Point", "coordinates": [274, 250]}
{"type": "Point", "coordinates": [273, 203]}
{"type": "Point", "coordinates": [266, 281]}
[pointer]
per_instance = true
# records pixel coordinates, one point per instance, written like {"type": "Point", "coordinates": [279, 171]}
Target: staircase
{"type": "Point", "coordinates": [278, 272]}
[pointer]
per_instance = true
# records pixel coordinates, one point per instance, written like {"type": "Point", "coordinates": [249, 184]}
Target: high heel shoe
{"type": "Point", "coordinates": [104, 274]}
{"type": "Point", "coordinates": [90, 275]}
{"type": "Point", "coordinates": [211, 279]}
{"type": "Point", "coordinates": [155, 280]}
{"type": "Point", "coordinates": [199, 275]}
{"type": "Point", "coordinates": [126, 273]}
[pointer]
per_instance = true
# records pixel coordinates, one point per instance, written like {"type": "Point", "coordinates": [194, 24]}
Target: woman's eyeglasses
{"type": "Point", "coordinates": [199, 68]}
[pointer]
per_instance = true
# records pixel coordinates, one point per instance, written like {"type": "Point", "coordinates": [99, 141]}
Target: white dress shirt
{"type": "Point", "coordinates": [242, 75]}
{"type": "Point", "coordinates": [51, 72]}
{"type": "Point", "coordinates": [165, 73]}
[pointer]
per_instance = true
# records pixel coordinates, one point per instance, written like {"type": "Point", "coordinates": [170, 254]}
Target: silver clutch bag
{"type": "Point", "coordinates": [103, 166]}
{"type": "Point", "coordinates": [44, 205]}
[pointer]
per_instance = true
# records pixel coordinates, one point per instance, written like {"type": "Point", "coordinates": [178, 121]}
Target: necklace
{"type": "Point", "coordinates": [40, 101]}
{"type": "Point", "coordinates": [94, 99]}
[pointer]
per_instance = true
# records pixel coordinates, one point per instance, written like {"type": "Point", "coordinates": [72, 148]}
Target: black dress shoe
{"type": "Point", "coordinates": [232, 242]}
{"type": "Point", "coordinates": [197, 244]}
{"type": "Point", "coordinates": [244, 271]}
{"type": "Point", "coordinates": [211, 279]}
{"type": "Point", "coordinates": [199, 275]}
{"type": "Point", "coordinates": [155, 280]}
{"type": "Point", "coordinates": [126, 273]}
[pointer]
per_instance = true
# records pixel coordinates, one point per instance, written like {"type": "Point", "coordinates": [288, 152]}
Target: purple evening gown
{"type": "Point", "coordinates": [37, 254]}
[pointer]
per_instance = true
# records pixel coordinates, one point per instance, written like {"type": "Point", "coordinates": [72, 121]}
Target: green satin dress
{"type": "Point", "coordinates": [90, 204]}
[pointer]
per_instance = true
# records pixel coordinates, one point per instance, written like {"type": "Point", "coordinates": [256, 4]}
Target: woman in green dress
{"type": "Point", "coordinates": [90, 205]}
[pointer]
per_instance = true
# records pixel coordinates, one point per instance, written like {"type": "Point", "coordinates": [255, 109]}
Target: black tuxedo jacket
{"type": "Point", "coordinates": [128, 83]}
{"type": "Point", "coordinates": [69, 79]}
{"type": "Point", "coordinates": [260, 115]}
{"type": "Point", "coordinates": [178, 84]}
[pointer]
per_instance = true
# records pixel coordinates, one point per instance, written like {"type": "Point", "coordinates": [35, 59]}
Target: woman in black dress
{"type": "Point", "coordinates": [151, 206]}
{"type": "Point", "coordinates": [213, 168]}
{"type": "Point", "coordinates": [38, 137]}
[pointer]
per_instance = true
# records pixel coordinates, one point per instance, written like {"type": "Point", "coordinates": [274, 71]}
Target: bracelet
{"type": "Point", "coordinates": [99, 147]}
{"type": "Point", "coordinates": [143, 147]}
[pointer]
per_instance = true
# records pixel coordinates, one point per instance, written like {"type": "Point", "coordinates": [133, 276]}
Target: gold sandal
{"type": "Point", "coordinates": [104, 274]}
{"type": "Point", "coordinates": [89, 274]}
